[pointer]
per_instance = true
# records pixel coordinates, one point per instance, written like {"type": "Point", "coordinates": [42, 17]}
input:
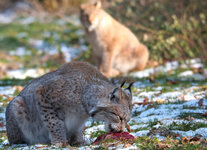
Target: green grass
{"type": "Point", "coordinates": [97, 133]}
{"type": "Point", "coordinates": [13, 82]}
{"type": "Point", "coordinates": [52, 34]}
{"type": "Point", "coordinates": [190, 107]}
{"type": "Point", "coordinates": [169, 144]}
{"type": "Point", "coordinates": [194, 115]}
{"type": "Point", "coordinates": [153, 123]}
{"type": "Point", "coordinates": [187, 126]}
{"type": "Point", "coordinates": [2, 136]}
{"type": "Point", "coordinates": [141, 129]}
{"type": "Point", "coordinates": [136, 113]}
{"type": "Point", "coordinates": [1, 108]}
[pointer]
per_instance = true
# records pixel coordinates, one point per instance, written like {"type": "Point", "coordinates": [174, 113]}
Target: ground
{"type": "Point", "coordinates": [169, 101]}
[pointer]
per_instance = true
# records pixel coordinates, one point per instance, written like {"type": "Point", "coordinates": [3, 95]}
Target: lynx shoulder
{"type": "Point", "coordinates": [116, 49]}
{"type": "Point", "coordinates": [53, 109]}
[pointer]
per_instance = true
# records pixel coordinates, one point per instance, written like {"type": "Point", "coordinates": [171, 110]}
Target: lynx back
{"type": "Point", "coordinates": [53, 109]}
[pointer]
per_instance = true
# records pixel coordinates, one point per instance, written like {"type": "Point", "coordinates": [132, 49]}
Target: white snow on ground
{"type": "Point", "coordinates": [141, 133]}
{"type": "Point", "coordinates": [178, 94]}
{"type": "Point", "coordinates": [7, 90]}
{"type": "Point", "coordinates": [168, 122]}
{"type": "Point", "coordinates": [95, 128]}
{"type": "Point", "coordinates": [189, 74]}
{"type": "Point", "coordinates": [6, 17]}
{"type": "Point", "coordinates": [20, 51]}
{"type": "Point", "coordinates": [186, 73]}
{"type": "Point", "coordinates": [2, 122]}
{"type": "Point", "coordinates": [28, 20]}
{"type": "Point", "coordinates": [167, 96]}
{"type": "Point", "coordinates": [190, 133]}
{"type": "Point", "coordinates": [137, 100]}
{"type": "Point", "coordinates": [68, 51]}
{"type": "Point", "coordinates": [134, 127]}
{"type": "Point", "coordinates": [194, 63]}
{"type": "Point", "coordinates": [2, 115]}
{"type": "Point", "coordinates": [91, 130]}
{"type": "Point", "coordinates": [166, 114]}
{"type": "Point", "coordinates": [149, 94]}
{"type": "Point", "coordinates": [164, 69]}
{"type": "Point", "coordinates": [142, 74]}
{"type": "Point", "coordinates": [24, 73]}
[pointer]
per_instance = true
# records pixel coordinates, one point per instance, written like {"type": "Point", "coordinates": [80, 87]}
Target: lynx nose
{"type": "Point", "coordinates": [116, 127]}
{"type": "Point", "coordinates": [121, 129]}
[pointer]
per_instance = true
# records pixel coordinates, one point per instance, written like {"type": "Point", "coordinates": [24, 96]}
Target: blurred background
{"type": "Point", "coordinates": [44, 34]}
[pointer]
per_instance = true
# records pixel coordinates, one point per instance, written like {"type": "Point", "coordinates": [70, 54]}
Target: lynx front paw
{"type": "Point", "coordinates": [77, 140]}
{"type": "Point", "coordinates": [61, 144]}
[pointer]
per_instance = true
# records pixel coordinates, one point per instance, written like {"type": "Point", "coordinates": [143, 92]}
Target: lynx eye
{"type": "Point", "coordinates": [113, 98]}
{"type": "Point", "coordinates": [120, 118]}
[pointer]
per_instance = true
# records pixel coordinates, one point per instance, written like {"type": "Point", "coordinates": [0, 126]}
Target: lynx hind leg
{"type": "Point", "coordinates": [16, 116]}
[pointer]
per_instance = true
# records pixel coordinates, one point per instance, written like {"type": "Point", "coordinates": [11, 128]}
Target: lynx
{"type": "Point", "coordinates": [53, 109]}
{"type": "Point", "coordinates": [116, 50]}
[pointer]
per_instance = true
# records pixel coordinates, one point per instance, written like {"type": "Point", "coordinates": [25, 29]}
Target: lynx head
{"type": "Point", "coordinates": [116, 109]}
{"type": "Point", "coordinates": [89, 15]}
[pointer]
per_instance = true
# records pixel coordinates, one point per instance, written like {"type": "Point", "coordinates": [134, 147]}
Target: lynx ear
{"type": "Point", "coordinates": [82, 7]}
{"type": "Point", "coordinates": [122, 84]}
{"type": "Point", "coordinates": [129, 87]}
{"type": "Point", "coordinates": [98, 4]}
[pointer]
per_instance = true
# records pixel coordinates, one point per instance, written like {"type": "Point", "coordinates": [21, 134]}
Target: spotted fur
{"type": "Point", "coordinates": [53, 109]}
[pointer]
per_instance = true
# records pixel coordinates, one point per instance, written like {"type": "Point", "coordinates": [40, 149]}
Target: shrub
{"type": "Point", "coordinates": [172, 30]}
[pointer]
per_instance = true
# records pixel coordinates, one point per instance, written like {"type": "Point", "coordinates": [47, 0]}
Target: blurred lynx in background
{"type": "Point", "coordinates": [116, 49]}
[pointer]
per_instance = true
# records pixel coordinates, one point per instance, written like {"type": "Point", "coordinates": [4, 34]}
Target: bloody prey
{"type": "Point", "coordinates": [114, 136]}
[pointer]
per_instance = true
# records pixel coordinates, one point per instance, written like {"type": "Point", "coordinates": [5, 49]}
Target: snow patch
{"type": "Point", "coordinates": [190, 133]}
{"type": "Point", "coordinates": [24, 73]}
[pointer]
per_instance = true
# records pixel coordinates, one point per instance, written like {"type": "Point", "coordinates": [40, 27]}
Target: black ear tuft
{"type": "Point", "coordinates": [122, 84]}
{"type": "Point", "coordinates": [130, 85]}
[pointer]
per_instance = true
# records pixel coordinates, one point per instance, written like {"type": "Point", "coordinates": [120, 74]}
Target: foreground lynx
{"type": "Point", "coordinates": [52, 109]}
{"type": "Point", "coordinates": [115, 48]}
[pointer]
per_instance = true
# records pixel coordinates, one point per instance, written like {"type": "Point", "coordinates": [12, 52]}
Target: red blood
{"type": "Point", "coordinates": [114, 136]}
